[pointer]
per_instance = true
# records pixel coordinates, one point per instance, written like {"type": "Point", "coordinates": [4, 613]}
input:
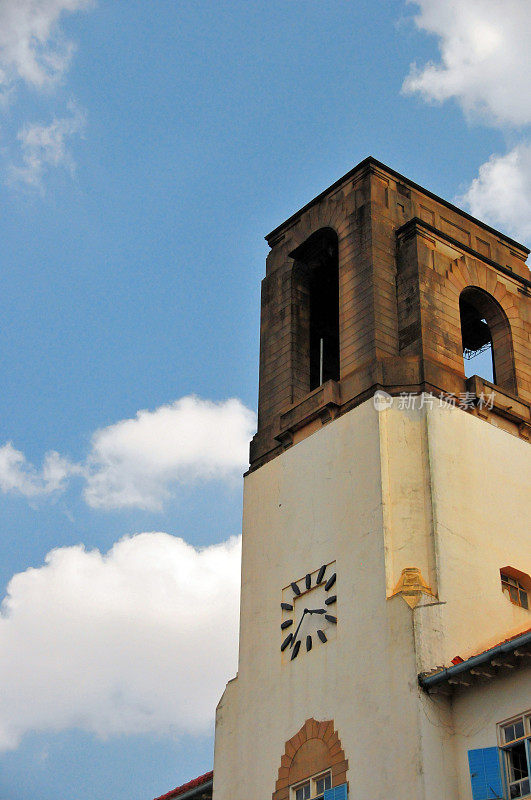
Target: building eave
{"type": "Point", "coordinates": [494, 659]}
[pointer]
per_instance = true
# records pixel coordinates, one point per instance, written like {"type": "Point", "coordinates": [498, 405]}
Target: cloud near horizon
{"type": "Point", "coordinates": [485, 63]}
{"type": "Point", "coordinates": [140, 462]}
{"type": "Point", "coordinates": [141, 639]}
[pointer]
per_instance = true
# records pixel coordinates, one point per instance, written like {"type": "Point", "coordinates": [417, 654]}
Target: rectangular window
{"type": "Point", "coordinates": [323, 782]}
{"type": "Point", "coordinates": [303, 792]}
{"type": "Point", "coordinates": [312, 789]}
{"type": "Point", "coordinates": [515, 743]}
{"type": "Point", "coordinates": [514, 590]}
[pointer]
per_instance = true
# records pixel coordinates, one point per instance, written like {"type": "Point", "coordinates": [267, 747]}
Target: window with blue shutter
{"type": "Point", "coordinates": [337, 793]}
{"type": "Point", "coordinates": [515, 740]}
{"type": "Point", "coordinates": [485, 775]}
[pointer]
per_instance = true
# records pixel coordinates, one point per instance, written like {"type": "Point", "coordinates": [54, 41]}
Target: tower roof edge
{"type": "Point", "coordinates": [369, 162]}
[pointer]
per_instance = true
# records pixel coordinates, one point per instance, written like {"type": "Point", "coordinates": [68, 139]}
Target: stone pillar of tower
{"type": "Point", "coordinates": [386, 512]}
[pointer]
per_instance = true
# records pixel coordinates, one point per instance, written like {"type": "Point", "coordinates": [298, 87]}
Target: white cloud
{"type": "Point", "coordinates": [32, 46]}
{"type": "Point", "coordinates": [19, 477]}
{"type": "Point", "coordinates": [139, 640]}
{"type": "Point", "coordinates": [137, 462]}
{"type": "Point", "coordinates": [501, 194]}
{"type": "Point", "coordinates": [34, 52]}
{"type": "Point", "coordinates": [485, 66]}
{"type": "Point", "coordinates": [485, 57]}
{"type": "Point", "coordinates": [45, 146]}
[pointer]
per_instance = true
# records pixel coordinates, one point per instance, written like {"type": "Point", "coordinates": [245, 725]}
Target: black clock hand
{"type": "Point", "coordinates": [317, 611]}
{"type": "Point", "coordinates": [298, 626]}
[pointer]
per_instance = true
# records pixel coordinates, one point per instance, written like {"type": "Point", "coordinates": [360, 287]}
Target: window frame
{"type": "Point", "coordinates": [509, 582]}
{"type": "Point", "coordinates": [312, 782]}
{"type": "Point", "coordinates": [505, 748]}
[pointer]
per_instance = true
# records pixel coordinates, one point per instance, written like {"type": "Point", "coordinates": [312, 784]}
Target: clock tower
{"type": "Point", "coordinates": [386, 515]}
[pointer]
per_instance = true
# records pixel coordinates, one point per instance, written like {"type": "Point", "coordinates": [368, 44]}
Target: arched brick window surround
{"type": "Point", "coordinates": [316, 747]}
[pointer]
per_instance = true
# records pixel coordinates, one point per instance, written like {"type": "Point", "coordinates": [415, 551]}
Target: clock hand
{"type": "Point", "coordinates": [298, 626]}
{"type": "Point", "coordinates": [317, 611]}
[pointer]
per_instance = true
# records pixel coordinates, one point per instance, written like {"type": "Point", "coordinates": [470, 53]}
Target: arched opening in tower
{"type": "Point", "coordinates": [478, 352]}
{"type": "Point", "coordinates": [317, 260]}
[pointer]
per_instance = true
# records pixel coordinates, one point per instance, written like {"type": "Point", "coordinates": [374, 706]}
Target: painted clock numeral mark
{"type": "Point", "coordinates": [295, 588]}
{"type": "Point", "coordinates": [322, 636]}
{"type": "Point", "coordinates": [330, 600]}
{"type": "Point", "coordinates": [286, 624]}
{"type": "Point", "coordinates": [296, 648]}
{"type": "Point", "coordinates": [330, 618]}
{"type": "Point", "coordinates": [308, 580]}
{"type": "Point", "coordinates": [308, 642]}
{"type": "Point", "coordinates": [320, 574]}
{"type": "Point", "coordinates": [286, 642]}
{"type": "Point", "coordinates": [286, 606]}
{"type": "Point", "coordinates": [330, 582]}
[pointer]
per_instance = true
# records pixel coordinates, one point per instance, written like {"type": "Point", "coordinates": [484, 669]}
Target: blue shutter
{"type": "Point", "coordinates": [337, 793]}
{"type": "Point", "coordinates": [485, 775]}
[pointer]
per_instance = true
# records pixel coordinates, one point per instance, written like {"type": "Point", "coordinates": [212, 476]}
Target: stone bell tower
{"type": "Point", "coordinates": [386, 507]}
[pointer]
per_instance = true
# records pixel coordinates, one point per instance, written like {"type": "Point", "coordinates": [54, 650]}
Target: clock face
{"type": "Point", "coordinates": [309, 612]}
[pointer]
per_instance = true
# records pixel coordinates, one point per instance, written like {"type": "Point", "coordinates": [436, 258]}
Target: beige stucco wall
{"type": "Point", "coordinates": [434, 488]}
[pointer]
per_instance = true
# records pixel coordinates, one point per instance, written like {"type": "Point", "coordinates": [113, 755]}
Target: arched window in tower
{"type": "Point", "coordinates": [317, 278]}
{"type": "Point", "coordinates": [486, 338]}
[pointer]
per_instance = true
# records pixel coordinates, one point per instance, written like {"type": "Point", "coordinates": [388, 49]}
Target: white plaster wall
{"type": "Point", "coordinates": [319, 501]}
{"type": "Point", "coordinates": [436, 489]}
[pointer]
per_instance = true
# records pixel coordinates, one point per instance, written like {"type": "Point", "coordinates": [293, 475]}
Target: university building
{"type": "Point", "coordinates": [385, 633]}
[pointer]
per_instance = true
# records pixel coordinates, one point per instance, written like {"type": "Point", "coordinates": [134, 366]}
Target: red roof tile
{"type": "Point", "coordinates": [186, 787]}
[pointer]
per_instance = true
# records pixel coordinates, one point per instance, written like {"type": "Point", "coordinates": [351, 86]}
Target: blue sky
{"type": "Point", "coordinates": [145, 151]}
